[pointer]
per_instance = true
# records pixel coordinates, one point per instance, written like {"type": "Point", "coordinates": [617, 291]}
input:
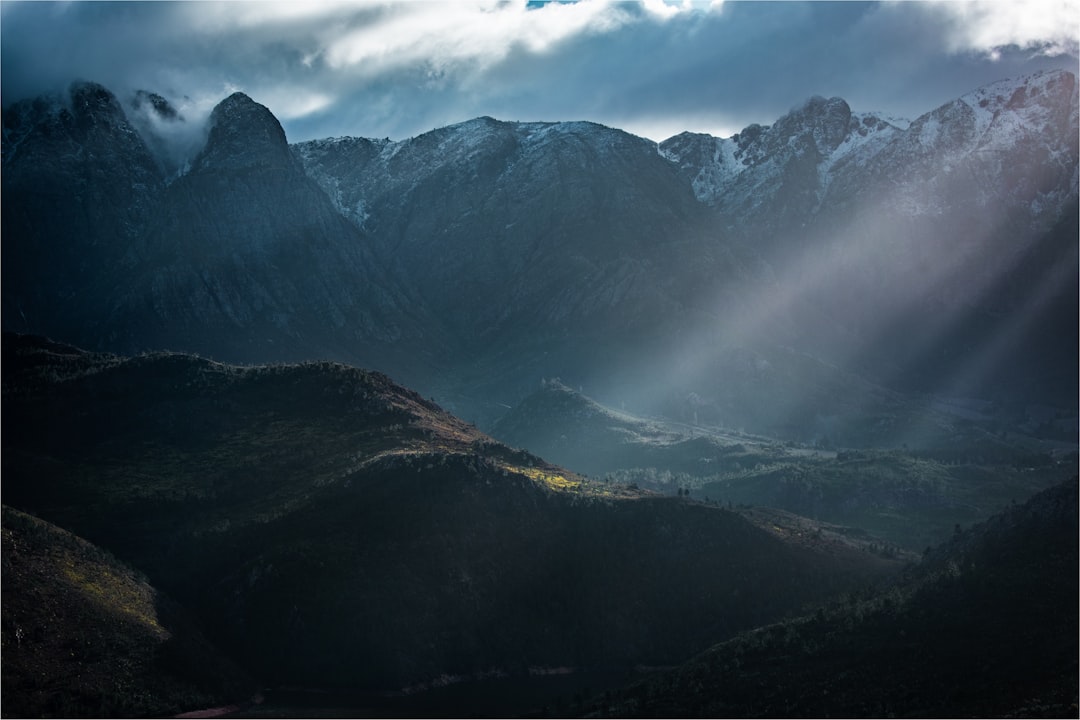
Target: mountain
{"type": "Point", "coordinates": [823, 159]}
{"type": "Point", "coordinates": [241, 255]}
{"type": "Point", "coordinates": [985, 626]}
{"type": "Point", "coordinates": [927, 256]}
{"type": "Point", "coordinates": [835, 257]}
{"type": "Point", "coordinates": [329, 528]}
{"type": "Point", "coordinates": [248, 253]}
{"type": "Point", "coordinates": [774, 176]}
{"type": "Point", "coordinates": [548, 248]}
{"type": "Point", "coordinates": [85, 635]}
{"type": "Point", "coordinates": [79, 186]}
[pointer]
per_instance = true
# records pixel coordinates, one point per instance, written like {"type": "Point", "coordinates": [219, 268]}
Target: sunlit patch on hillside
{"type": "Point", "coordinates": [554, 481]}
{"type": "Point", "coordinates": [115, 593]}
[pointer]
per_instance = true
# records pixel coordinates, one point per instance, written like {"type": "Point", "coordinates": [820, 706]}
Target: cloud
{"type": "Point", "coordinates": [1049, 27]}
{"type": "Point", "coordinates": [400, 68]}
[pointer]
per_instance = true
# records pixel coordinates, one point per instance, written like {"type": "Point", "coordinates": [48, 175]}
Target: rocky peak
{"type": "Point", "coordinates": [92, 103]}
{"type": "Point", "coordinates": [689, 149]}
{"type": "Point", "coordinates": [824, 121]}
{"type": "Point", "coordinates": [87, 133]}
{"type": "Point", "coordinates": [244, 135]}
{"type": "Point", "coordinates": [101, 127]}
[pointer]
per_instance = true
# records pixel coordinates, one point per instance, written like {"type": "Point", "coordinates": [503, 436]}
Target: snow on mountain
{"type": "Point", "coordinates": [1008, 147]}
{"type": "Point", "coordinates": [760, 155]}
{"type": "Point", "coordinates": [822, 149]}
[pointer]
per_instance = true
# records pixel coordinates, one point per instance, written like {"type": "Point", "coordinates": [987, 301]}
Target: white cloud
{"type": "Point", "coordinates": [232, 16]}
{"type": "Point", "coordinates": [444, 35]}
{"type": "Point", "coordinates": [367, 38]}
{"type": "Point", "coordinates": [289, 103]}
{"type": "Point", "coordinates": [343, 47]}
{"type": "Point", "coordinates": [1050, 27]}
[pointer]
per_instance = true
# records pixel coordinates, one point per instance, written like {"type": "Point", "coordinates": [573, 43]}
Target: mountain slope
{"type": "Point", "coordinates": [527, 221]}
{"type": "Point", "coordinates": [985, 626]}
{"type": "Point", "coordinates": [333, 529]}
{"type": "Point", "coordinates": [85, 635]}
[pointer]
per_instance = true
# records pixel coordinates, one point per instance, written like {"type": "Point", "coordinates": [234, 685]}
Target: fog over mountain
{"type": "Point", "coordinates": [771, 368]}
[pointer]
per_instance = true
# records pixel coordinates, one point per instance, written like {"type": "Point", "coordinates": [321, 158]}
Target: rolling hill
{"type": "Point", "coordinates": [332, 529]}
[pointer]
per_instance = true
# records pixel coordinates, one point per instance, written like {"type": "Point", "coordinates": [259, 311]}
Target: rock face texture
{"type": "Point", "coordinates": [249, 253]}
{"type": "Point", "coordinates": [79, 186]}
{"type": "Point", "coordinates": [476, 259]}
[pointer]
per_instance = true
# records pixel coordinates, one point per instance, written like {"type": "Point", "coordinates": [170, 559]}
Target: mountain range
{"type": "Point", "coordinates": [931, 256]}
{"type": "Point", "coordinates": [775, 424]}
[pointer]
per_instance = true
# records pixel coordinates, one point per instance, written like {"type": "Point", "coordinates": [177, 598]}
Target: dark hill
{"type": "Point", "coordinates": [86, 636]}
{"type": "Point", "coordinates": [985, 626]}
{"type": "Point", "coordinates": [331, 528]}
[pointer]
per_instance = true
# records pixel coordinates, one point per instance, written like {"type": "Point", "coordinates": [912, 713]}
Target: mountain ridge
{"type": "Point", "coordinates": [473, 259]}
{"type": "Point", "coordinates": [307, 492]}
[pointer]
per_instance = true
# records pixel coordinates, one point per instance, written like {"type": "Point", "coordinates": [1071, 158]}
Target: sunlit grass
{"type": "Point", "coordinates": [114, 592]}
{"type": "Point", "coordinates": [554, 481]}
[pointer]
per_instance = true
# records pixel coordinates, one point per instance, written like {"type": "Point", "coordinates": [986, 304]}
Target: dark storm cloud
{"type": "Point", "coordinates": [402, 68]}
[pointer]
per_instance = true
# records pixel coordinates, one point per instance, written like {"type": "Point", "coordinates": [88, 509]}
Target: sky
{"type": "Point", "coordinates": [654, 68]}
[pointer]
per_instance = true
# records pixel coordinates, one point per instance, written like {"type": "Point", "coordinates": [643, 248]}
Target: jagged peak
{"type": "Point", "coordinates": [91, 93]}
{"type": "Point", "coordinates": [827, 120]}
{"type": "Point", "coordinates": [818, 104]}
{"type": "Point", "coordinates": [91, 101]}
{"type": "Point", "coordinates": [750, 134]}
{"type": "Point", "coordinates": [244, 134]}
{"type": "Point", "coordinates": [239, 109]}
{"type": "Point", "coordinates": [1007, 87]}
